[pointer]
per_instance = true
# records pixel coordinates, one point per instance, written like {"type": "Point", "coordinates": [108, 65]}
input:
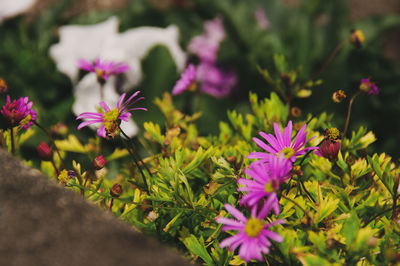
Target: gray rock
{"type": "Point", "coordinates": [41, 223]}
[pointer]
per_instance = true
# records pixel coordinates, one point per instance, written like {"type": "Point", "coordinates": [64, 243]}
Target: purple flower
{"type": "Point", "coordinates": [369, 87]}
{"type": "Point", "coordinates": [215, 81]}
{"type": "Point", "coordinates": [261, 18]}
{"type": "Point", "coordinates": [266, 179]}
{"type": "Point", "coordinates": [253, 234]}
{"type": "Point", "coordinates": [329, 149]}
{"type": "Point", "coordinates": [19, 112]}
{"type": "Point", "coordinates": [282, 144]}
{"type": "Point", "coordinates": [187, 79]}
{"type": "Point", "coordinates": [206, 46]}
{"type": "Point", "coordinates": [111, 118]}
{"type": "Point", "coordinates": [103, 69]}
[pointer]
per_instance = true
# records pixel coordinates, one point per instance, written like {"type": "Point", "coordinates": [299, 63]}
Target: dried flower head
{"type": "Point", "coordinates": [19, 112]}
{"type": "Point", "coordinates": [357, 38]}
{"type": "Point", "coordinates": [110, 119]}
{"type": "Point", "coordinates": [295, 112]}
{"type": "Point", "coordinates": [338, 96]}
{"type": "Point", "coordinates": [332, 134]}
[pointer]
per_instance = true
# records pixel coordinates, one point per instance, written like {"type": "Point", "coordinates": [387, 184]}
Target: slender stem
{"type": "Point", "coordinates": [136, 153]}
{"type": "Point", "coordinates": [328, 60]}
{"type": "Point", "coordinates": [305, 190]}
{"type": "Point", "coordinates": [136, 162]}
{"type": "Point", "coordinates": [55, 167]}
{"type": "Point", "coordinates": [346, 125]}
{"type": "Point", "coordinates": [12, 141]}
{"type": "Point", "coordinates": [111, 204]}
{"type": "Point", "coordinates": [379, 214]}
{"type": "Point", "coordinates": [101, 91]}
{"type": "Point", "coordinates": [52, 142]}
{"type": "Point", "coordinates": [308, 153]}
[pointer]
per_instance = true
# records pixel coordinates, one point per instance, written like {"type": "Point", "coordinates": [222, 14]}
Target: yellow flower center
{"type": "Point", "coordinates": [253, 227]}
{"type": "Point", "coordinates": [287, 152]}
{"type": "Point", "coordinates": [111, 121]}
{"type": "Point", "coordinates": [99, 73]}
{"type": "Point", "coordinates": [332, 133]}
{"type": "Point", "coordinates": [192, 87]}
{"type": "Point", "coordinates": [269, 187]}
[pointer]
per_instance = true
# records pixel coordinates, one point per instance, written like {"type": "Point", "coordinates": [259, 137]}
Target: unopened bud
{"type": "Point", "coordinates": [231, 159]}
{"type": "Point", "coordinates": [3, 86]}
{"type": "Point", "coordinates": [296, 170]}
{"type": "Point", "coordinates": [45, 152]}
{"type": "Point", "coordinates": [71, 173]}
{"type": "Point", "coordinates": [116, 190]}
{"type": "Point", "coordinates": [59, 129]}
{"type": "Point", "coordinates": [329, 150]}
{"type": "Point", "coordinates": [357, 38]}
{"type": "Point", "coordinates": [338, 96]}
{"type": "Point", "coordinates": [99, 162]}
{"type": "Point", "coordinates": [295, 112]}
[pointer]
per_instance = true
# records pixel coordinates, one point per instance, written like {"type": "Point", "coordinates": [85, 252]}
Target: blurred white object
{"type": "Point", "coordinates": [103, 41]}
{"type": "Point", "coordinates": [11, 8]}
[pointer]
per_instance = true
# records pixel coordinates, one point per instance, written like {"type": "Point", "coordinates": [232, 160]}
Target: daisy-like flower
{"type": "Point", "coordinates": [19, 112]}
{"type": "Point", "coordinates": [253, 234]}
{"type": "Point", "coordinates": [103, 69]}
{"type": "Point", "coordinates": [369, 87]}
{"type": "Point", "coordinates": [266, 179]}
{"type": "Point", "coordinates": [215, 81]}
{"type": "Point", "coordinates": [187, 80]}
{"type": "Point", "coordinates": [111, 118]}
{"type": "Point", "coordinates": [329, 149]}
{"type": "Point", "coordinates": [282, 144]}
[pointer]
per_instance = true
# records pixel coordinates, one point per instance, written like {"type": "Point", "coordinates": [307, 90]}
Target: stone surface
{"type": "Point", "coordinates": [41, 223]}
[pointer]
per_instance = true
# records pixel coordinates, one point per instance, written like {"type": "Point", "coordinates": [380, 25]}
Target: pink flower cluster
{"type": "Point", "coordinates": [266, 175]}
{"type": "Point", "coordinates": [215, 81]}
{"type": "Point", "coordinates": [19, 112]}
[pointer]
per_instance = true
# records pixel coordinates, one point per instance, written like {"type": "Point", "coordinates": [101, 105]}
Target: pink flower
{"type": "Point", "coordinates": [206, 46]}
{"type": "Point", "coordinates": [282, 144]}
{"type": "Point", "coordinates": [19, 112]}
{"type": "Point", "coordinates": [111, 118]}
{"type": "Point", "coordinates": [266, 179]}
{"type": "Point", "coordinates": [215, 81]}
{"type": "Point", "coordinates": [329, 149]}
{"type": "Point", "coordinates": [261, 18]}
{"type": "Point", "coordinates": [187, 79]}
{"type": "Point", "coordinates": [253, 234]}
{"type": "Point", "coordinates": [103, 69]}
{"type": "Point", "coordinates": [369, 87]}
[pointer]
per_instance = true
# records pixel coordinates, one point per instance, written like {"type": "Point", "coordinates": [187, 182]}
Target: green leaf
{"type": "Point", "coordinates": [197, 248]}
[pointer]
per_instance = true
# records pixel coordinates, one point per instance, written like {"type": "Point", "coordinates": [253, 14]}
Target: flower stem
{"type": "Point", "coordinates": [305, 190]}
{"type": "Point", "coordinates": [134, 159]}
{"type": "Point", "coordinates": [328, 60]}
{"type": "Point", "coordinates": [295, 203]}
{"type": "Point", "coordinates": [55, 167]}
{"type": "Point", "coordinates": [101, 86]}
{"type": "Point", "coordinates": [12, 141]}
{"type": "Point", "coordinates": [346, 125]}
{"type": "Point", "coordinates": [111, 204]}
{"type": "Point", "coordinates": [52, 142]}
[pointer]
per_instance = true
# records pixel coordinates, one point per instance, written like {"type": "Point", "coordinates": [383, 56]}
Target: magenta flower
{"type": "Point", "coordinates": [206, 46]}
{"type": "Point", "coordinates": [111, 118]}
{"type": "Point", "coordinates": [266, 179]}
{"type": "Point", "coordinates": [103, 69]}
{"type": "Point", "coordinates": [282, 144]}
{"type": "Point", "coordinates": [187, 79]}
{"type": "Point", "coordinates": [253, 234]}
{"type": "Point", "coordinates": [215, 81]}
{"type": "Point", "coordinates": [329, 149]}
{"type": "Point", "coordinates": [261, 18]}
{"type": "Point", "coordinates": [19, 112]}
{"type": "Point", "coordinates": [369, 87]}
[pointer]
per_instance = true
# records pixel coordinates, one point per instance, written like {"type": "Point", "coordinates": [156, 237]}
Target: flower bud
{"type": "Point", "coordinates": [71, 173]}
{"type": "Point", "coordinates": [329, 149]}
{"type": "Point", "coordinates": [338, 96]}
{"type": "Point", "coordinates": [59, 129]}
{"type": "Point", "coordinates": [296, 170]}
{"type": "Point", "coordinates": [3, 86]}
{"type": "Point", "coordinates": [45, 152]}
{"type": "Point", "coordinates": [369, 87]}
{"type": "Point", "coordinates": [99, 162]}
{"type": "Point", "coordinates": [295, 112]}
{"type": "Point", "coordinates": [116, 190]}
{"type": "Point", "coordinates": [357, 38]}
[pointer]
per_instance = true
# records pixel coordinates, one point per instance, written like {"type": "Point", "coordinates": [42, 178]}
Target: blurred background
{"type": "Point", "coordinates": [304, 31]}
